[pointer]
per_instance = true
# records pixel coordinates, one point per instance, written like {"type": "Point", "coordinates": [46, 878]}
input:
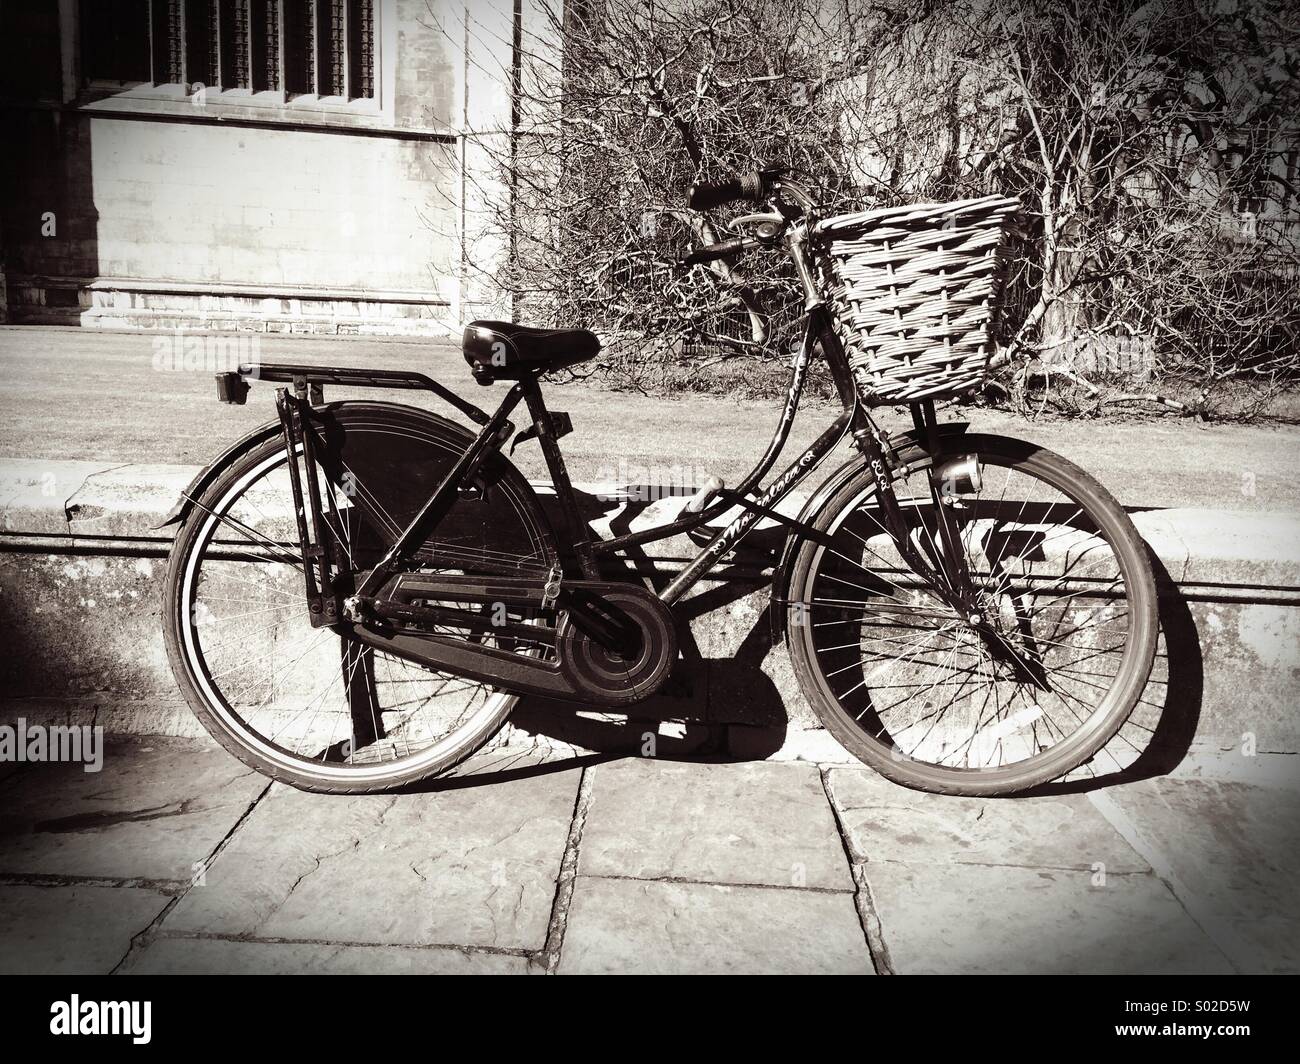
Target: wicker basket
{"type": "Point", "coordinates": [914, 292]}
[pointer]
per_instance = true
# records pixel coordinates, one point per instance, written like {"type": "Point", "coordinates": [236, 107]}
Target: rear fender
{"type": "Point", "coordinates": [456, 435]}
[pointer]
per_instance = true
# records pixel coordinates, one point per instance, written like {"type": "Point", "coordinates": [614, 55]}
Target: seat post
{"type": "Point", "coordinates": [577, 527]}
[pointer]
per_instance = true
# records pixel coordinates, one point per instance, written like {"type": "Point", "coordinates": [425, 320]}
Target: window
{"type": "Point", "coordinates": [297, 47]}
{"type": "Point", "coordinates": [33, 70]}
{"type": "Point", "coordinates": [115, 39]}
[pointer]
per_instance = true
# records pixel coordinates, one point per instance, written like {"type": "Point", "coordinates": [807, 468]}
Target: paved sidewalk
{"type": "Point", "coordinates": [176, 859]}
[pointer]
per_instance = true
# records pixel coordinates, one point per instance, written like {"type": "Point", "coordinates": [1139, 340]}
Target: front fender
{"type": "Point", "coordinates": [902, 441]}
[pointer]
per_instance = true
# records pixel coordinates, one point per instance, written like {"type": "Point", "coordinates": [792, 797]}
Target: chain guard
{"type": "Point", "coordinates": [582, 670]}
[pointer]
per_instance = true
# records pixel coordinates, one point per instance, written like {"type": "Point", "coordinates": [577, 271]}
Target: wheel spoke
{"type": "Point", "coordinates": [260, 667]}
{"type": "Point", "coordinates": [989, 693]}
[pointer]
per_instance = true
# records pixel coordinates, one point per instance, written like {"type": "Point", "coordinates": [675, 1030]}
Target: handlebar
{"type": "Point", "coordinates": [756, 185]}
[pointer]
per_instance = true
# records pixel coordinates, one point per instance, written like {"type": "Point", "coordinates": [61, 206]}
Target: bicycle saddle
{"type": "Point", "coordinates": [504, 350]}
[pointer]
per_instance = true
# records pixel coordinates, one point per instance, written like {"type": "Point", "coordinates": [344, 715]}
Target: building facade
{"type": "Point", "coordinates": [277, 165]}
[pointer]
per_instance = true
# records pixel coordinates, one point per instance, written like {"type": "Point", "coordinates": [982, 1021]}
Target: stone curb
{"type": "Point", "coordinates": [76, 537]}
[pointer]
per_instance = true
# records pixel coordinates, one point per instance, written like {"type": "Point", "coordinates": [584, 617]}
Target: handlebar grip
{"type": "Point", "coordinates": [705, 195]}
{"type": "Point", "coordinates": [721, 250]}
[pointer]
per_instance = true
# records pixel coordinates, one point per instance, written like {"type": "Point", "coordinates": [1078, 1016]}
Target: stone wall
{"type": "Point", "coordinates": [147, 207]}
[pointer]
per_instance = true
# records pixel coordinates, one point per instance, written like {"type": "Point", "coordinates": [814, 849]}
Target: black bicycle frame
{"type": "Point", "coordinates": [496, 428]}
{"type": "Point", "coordinates": [950, 578]}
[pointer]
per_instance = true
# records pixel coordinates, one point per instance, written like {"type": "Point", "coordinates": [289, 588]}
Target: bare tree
{"type": "Point", "coordinates": [1151, 143]}
{"type": "Point", "coordinates": [1154, 147]}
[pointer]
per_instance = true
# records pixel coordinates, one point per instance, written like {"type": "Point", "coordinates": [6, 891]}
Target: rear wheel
{"type": "Point", "coordinates": [310, 705]}
{"type": "Point", "coordinates": [933, 700]}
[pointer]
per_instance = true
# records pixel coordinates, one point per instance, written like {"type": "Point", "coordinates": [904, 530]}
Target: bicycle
{"type": "Point", "coordinates": [359, 591]}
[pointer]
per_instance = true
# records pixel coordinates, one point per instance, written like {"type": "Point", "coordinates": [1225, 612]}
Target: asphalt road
{"type": "Point", "coordinates": [86, 394]}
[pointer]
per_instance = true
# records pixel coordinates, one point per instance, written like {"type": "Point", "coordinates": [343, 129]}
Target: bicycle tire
{"type": "Point", "coordinates": [418, 439]}
{"type": "Point", "coordinates": [1131, 553]}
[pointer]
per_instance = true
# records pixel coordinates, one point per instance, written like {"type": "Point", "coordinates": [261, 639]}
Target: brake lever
{"type": "Point", "coordinates": [762, 219]}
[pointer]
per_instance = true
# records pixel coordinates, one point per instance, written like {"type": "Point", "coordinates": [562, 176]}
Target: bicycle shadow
{"type": "Point", "coordinates": [681, 720]}
{"type": "Point", "coordinates": [685, 720]}
{"type": "Point", "coordinates": [1161, 728]}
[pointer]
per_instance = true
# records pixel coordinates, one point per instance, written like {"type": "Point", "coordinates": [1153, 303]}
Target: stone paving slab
{"type": "Point", "coordinates": [683, 867]}
{"type": "Point", "coordinates": [471, 865]}
{"type": "Point", "coordinates": [619, 926]}
{"type": "Point", "coordinates": [889, 822]}
{"type": "Point", "coordinates": [1003, 920]}
{"type": "Point", "coordinates": [1270, 771]}
{"type": "Point", "coordinates": [1235, 849]}
{"type": "Point", "coordinates": [155, 809]}
{"type": "Point", "coordinates": [716, 823]}
{"type": "Point", "coordinates": [212, 956]}
{"type": "Point", "coordinates": [71, 930]}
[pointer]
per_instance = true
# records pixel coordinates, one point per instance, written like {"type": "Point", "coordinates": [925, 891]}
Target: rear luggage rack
{"type": "Point", "coordinates": [310, 380]}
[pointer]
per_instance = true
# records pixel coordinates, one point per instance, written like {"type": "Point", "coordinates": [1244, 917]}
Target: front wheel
{"type": "Point", "coordinates": [933, 700]}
